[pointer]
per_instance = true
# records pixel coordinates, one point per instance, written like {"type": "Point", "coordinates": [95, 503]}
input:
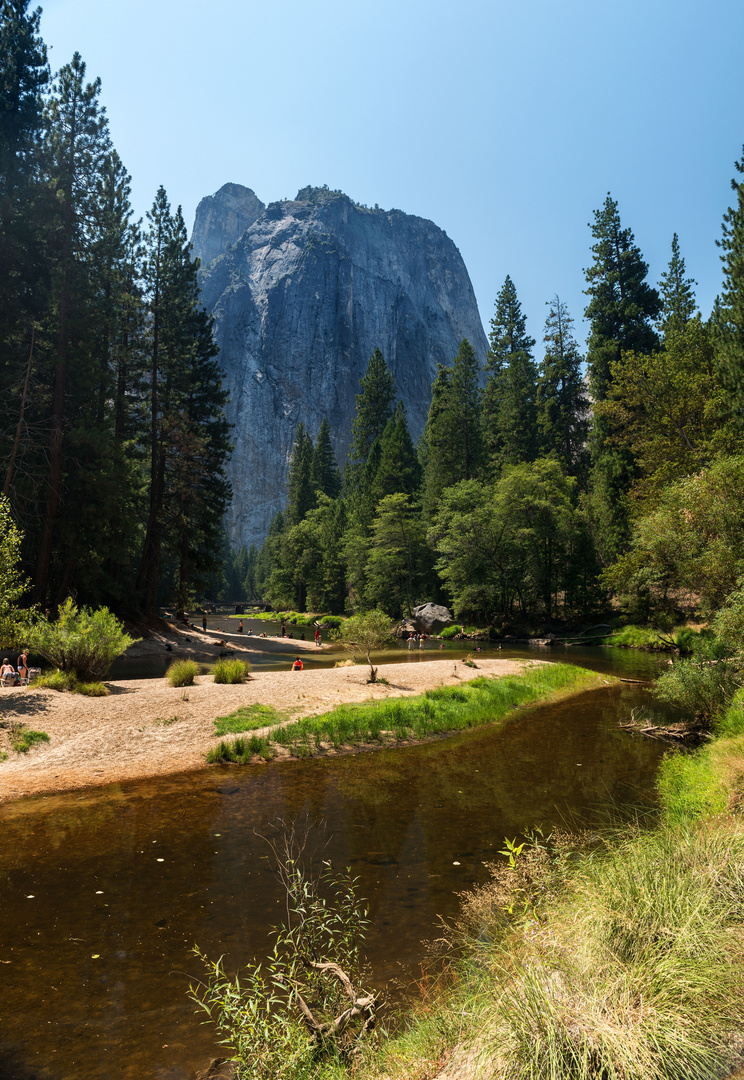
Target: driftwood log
{"type": "Point", "coordinates": [362, 1007]}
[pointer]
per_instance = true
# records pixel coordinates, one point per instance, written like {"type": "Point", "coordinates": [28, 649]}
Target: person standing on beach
{"type": "Point", "coordinates": [204, 622]}
{"type": "Point", "coordinates": [240, 627]}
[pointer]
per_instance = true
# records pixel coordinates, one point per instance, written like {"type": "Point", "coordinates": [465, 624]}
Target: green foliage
{"type": "Point", "coordinates": [324, 474]}
{"type": "Point", "coordinates": [729, 323]}
{"type": "Point", "coordinates": [562, 405]}
{"type": "Point", "coordinates": [677, 294]}
{"type": "Point", "coordinates": [332, 622]}
{"type": "Point", "coordinates": [230, 671]}
{"type": "Point", "coordinates": [509, 416]}
{"type": "Point", "coordinates": [284, 1018]}
{"type": "Point", "coordinates": [452, 444]}
{"type": "Point", "coordinates": [182, 672]}
{"type": "Point", "coordinates": [699, 689]}
{"type": "Point", "coordinates": [694, 538]}
{"type": "Point", "coordinates": [12, 584]}
{"type": "Point", "coordinates": [80, 641]}
{"type": "Point", "coordinates": [690, 787]}
{"type": "Point", "coordinates": [247, 718]}
{"type": "Point", "coordinates": [24, 738]}
{"type": "Point", "coordinates": [299, 483]}
{"type": "Point", "coordinates": [241, 751]}
{"type": "Point", "coordinates": [365, 633]}
{"type": "Point", "coordinates": [397, 561]}
{"type": "Point", "coordinates": [374, 407]}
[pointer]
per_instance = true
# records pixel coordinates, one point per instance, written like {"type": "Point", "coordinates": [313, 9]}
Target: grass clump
{"type": "Point", "coordinates": [623, 961]}
{"type": "Point", "coordinates": [247, 718]}
{"type": "Point", "coordinates": [446, 709]}
{"type": "Point", "coordinates": [241, 751]}
{"type": "Point", "coordinates": [231, 671]}
{"type": "Point", "coordinates": [24, 738]}
{"type": "Point", "coordinates": [182, 672]}
{"type": "Point", "coordinates": [68, 681]}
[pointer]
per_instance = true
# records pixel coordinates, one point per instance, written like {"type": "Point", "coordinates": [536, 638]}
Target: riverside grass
{"type": "Point", "coordinates": [447, 709]}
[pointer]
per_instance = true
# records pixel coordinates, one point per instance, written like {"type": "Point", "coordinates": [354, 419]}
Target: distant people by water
{"type": "Point", "coordinates": [23, 665]}
{"type": "Point", "coordinates": [204, 622]}
{"type": "Point", "coordinates": [317, 635]}
{"type": "Point", "coordinates": [240, 627]}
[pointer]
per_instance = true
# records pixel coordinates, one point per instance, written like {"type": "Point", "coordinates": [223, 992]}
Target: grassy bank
{"type": "Point", "coordinates": [620, 957]}
{"type": "Point", "coordinates": [444, 710]}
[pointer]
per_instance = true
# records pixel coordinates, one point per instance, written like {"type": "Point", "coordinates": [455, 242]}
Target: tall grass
{"type": "Point", "coordinates": [633, 970]}
{"type": "Point", "coordinates": [446, 709]}
{"type": "Point", "coordinates": [68, 680]}
{"type": "Point", "coordinates": [231, 671]}
{"type": "Point", "coordinates": [182, 672]}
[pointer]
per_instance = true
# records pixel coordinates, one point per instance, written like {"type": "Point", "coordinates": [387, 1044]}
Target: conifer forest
{"type": "Point", "coordinates": [550, 480]}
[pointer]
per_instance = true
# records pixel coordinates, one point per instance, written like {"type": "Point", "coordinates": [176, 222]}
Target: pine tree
{"type": "Point", "coordinates": [399, 469]}
{"type": "Point", "coordinates": [324, 474]}
{"type": "Point", "coordinates": [509, 417]}
{"type": "Point", "coordinates": [562, 405]}
{"type": "Point", "coordinates": [77, 144]}
{"type": "Point", "coordinates": [299, 482]}
{"type": "Point", "coordinates": [188, 434]}
{"type": "Point", "coordinates": [622, 304]}
{"type": "Point", "coordinates": [374, 407]}
{"type": "Point", "coordinates": [677, 294]}
{"type": "Point", "coordinates": [730, 316]}
{"type": "Point", "coordinates": [621, 309]}
{"type": "Point", "coordinates": [453, 437]}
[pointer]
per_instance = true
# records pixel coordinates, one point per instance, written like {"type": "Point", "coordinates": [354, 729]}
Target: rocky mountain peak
{"type": "Point", "coordinates": [222, 218]}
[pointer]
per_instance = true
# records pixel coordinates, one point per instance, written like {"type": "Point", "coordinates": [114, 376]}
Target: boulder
{"type": "Point", "coordinates": [431, 618]}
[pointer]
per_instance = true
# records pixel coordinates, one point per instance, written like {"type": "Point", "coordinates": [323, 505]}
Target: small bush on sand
{"type": "Point", "coordinates": [182, 672]}
{"type": "Point", "coordinates": [231, 671]}
{"type": "Point", "coordinates": [23, 740]}
{"type": "Point", "coordinates": [64, 680]}
{"type": "Point", "coordinates": [81, 641]}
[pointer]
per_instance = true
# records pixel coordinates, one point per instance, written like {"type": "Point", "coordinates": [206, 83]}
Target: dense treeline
{"type": "Point", "coordinates": [112, 434]}
{"type": "Point", "coordinates": [537, 491]}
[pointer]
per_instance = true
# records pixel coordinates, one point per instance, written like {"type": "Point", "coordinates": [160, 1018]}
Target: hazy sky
{"type": "Point", "coordinates": [505, 123]}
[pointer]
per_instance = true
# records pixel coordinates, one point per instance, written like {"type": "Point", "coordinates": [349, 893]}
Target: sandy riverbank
{"type": "Point", "coordinates": [133, 733]}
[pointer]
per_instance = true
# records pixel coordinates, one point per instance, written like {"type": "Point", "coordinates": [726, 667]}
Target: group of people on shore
{"type": "Point", "coordinates": [8, 672]}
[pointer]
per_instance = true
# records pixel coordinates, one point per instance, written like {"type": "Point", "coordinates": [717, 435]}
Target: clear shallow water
{"type": "Point", "coordinates": [125, 879]}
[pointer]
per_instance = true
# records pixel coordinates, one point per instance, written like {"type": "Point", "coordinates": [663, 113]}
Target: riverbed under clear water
{"type": "Point", "coordinates": [104, 892]}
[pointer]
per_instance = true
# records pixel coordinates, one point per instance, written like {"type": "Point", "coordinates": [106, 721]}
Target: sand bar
{"type": "Point", "coordinates": [132, 733]}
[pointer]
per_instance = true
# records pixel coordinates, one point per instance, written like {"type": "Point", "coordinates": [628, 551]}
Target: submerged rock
{"type": "Point", "coordinates": [301, 300]}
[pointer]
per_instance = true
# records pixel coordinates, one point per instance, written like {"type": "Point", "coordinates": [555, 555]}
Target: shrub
{"type": "Point", "coordinates": [229, 671]}
{"type": "Point", "coordinates": [182, 672]}
{"type": "Point", "coordinates": [55, 680]}
{"type": "Point", "coordinates": [81, 641]}
{"type": "Point", "coordinates": [699, 689]}
{"type": "Point", "coordinates": [450, 631]}
{"type": "Point", "coordinates": [24, 740]}
{"type": "Point", "coordinates": [333, 622]}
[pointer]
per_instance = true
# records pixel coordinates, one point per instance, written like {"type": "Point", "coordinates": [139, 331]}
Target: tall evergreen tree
{"type": "Point", "coordinates": [399, 469]}
{"type": "Point", "coordinates": [453, 437]}
{"type": "Point", "coordinates": [77, 145]}
{"type": "Point", "coordinates": [677, 294]}
{"type": "Point", "coordinates": [622, 305]}
{"type": "Point", "coordinates": [621, 308]}
{"type": "Point", "coordinates": [324, 474]}
{"type": "Point", "coordinates": [562, 405]}
{"type": "Point", "coordinates": [374, 407]}
{"type": "Point", "coordinates": [188, 435]}
{"type": "Point", "coordinates": [299, 481]}
{"type": "Point", "coordinates": [509, 417]}
{"type": "Point", "coordinates": [730, 317]}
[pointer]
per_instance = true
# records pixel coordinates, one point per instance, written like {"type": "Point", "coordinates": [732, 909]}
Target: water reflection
{"type": "Point", "coordinates": [105, 893]}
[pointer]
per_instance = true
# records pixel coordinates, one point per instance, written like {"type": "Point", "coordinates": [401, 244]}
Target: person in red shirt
{"type": "Point", "coordinates": [297, 666]}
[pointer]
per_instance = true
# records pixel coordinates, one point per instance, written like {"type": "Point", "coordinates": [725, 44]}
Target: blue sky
{"type": "Point", "coordinates": [505, 123]}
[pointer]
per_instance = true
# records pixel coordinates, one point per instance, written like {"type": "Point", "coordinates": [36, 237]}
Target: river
{"type": "Point", "coordinates": [105, 892]}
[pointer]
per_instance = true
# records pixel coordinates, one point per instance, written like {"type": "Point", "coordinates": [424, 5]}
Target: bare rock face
{"type": "Point", "coordinates": [301, 301]}
{"type": "Point", "coordinates": [431, 618]}
{"type": "Point", "coordinates": [221, 219]}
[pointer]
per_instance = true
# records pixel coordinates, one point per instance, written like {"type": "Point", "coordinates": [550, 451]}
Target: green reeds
{"type": "Point", "coordinates": [68, 680]}
{"type": "Point", "coordinates": [241, 751]}
{"type": "Point", "coordinates": [231, 671]}
{"type": "Point", "coordinates": [446, 709]}
{"type": "Point", "coordinates": [182, 672]}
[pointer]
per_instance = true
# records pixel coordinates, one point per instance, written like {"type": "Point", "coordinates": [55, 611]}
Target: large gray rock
{"type": "Point", "coordinates": [301, 301]}
{"type": "Point", "coordinates": [431, 618]}
{"type": "Point", "coordinates": [221, 219]}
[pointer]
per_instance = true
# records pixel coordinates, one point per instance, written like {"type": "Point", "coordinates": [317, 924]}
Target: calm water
{"type": "Point", "coordinates": [104, 894]}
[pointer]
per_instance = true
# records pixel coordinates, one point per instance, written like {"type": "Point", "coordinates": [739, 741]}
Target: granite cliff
{"type": "Point", "coordinates": [301, 297]}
